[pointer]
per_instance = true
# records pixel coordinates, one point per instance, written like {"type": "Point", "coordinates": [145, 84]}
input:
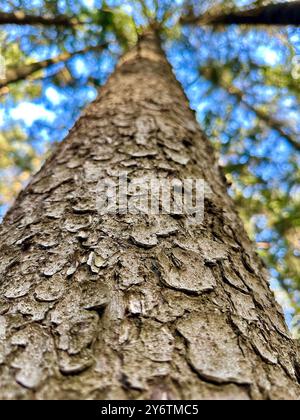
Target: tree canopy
{"type": "Point", "coordinates": [239, 62]}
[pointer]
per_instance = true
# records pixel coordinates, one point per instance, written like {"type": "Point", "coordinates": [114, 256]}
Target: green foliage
{"type": "Point", "coordinates": [17, 162]}
{"type": "Point", "coordinates": [116, 21]}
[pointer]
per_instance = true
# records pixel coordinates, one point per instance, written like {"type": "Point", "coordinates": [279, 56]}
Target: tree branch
{"type": "Point", "coordinates": [286, 13]}
{"type": "Point", "coordinates": [270, 121]}
{"type": "Point", "coordinates": [20, 18]}
{"type": "Point", "coordinates": [24, 72]}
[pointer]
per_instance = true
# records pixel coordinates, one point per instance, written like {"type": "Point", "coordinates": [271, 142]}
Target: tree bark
{"type": "Point", "coordinates": [136, 306]}
{"type": "Point", "coordinates": [286, 13]}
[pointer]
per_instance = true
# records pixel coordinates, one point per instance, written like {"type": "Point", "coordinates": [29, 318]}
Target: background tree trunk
{"type": "Point", "coordinates": [132, 306]}
{"type": "Point", "coordinates": [20, 18]}
{"type": "Point", "coordinates": [285, 13]}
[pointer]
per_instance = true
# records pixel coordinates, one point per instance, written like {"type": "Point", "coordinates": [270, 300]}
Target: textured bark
{"type": "Point", "coordinates": [286, 13]}
{"type": "Point", "coordinates": [135, 306]}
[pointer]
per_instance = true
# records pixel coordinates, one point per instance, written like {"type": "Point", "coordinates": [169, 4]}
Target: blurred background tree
{"type": "Point", "coordinates": [240, 71]}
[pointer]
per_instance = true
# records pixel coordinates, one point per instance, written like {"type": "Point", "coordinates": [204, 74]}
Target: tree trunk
{"type": "Point", "coordinates": [286, 13]}
{"type": "Point", "coordinates": [103, 306]}
{"type": "Point", "coordinates": [20, 18]}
